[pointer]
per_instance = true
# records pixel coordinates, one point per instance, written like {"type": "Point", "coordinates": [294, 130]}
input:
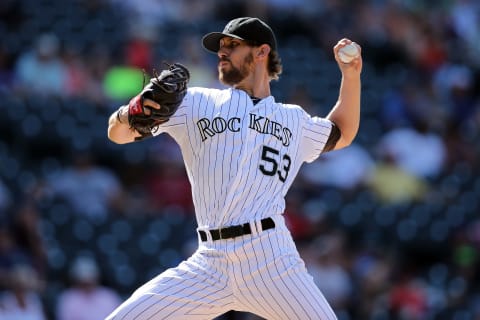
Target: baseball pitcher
{"type": "Point", "coordinates": [242, 151]}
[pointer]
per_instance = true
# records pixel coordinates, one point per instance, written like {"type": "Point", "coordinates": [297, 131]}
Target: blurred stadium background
{"type": "Point", "coordinates": [389, 227]}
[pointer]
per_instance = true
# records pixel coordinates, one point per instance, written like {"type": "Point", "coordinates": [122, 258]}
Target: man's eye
{"type": "Point", "coordinates": [230, 45]}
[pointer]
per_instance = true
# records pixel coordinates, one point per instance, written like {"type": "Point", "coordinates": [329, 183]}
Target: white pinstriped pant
{"type": "Point", "coordinates": [261, 273]}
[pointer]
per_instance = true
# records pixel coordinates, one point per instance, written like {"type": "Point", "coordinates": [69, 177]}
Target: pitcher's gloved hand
{"type": "Point", "coordinates": [167, 89]}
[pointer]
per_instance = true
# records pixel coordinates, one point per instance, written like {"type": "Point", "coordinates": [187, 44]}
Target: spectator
{"type": "Point", "coordinates": [454, 84]}
{"type": "Point", "coordinates": [10, 253]}
{"type": "Point", "coordinates": [302, 224]}
{"type": "Point", "coordinates": [98, 61]}
{"type": "Point", "coordinates": [415, 150]}
{"type": "Point", "coordinates": [77, 76]}
{"type": "Point", "coordinates": [26, 228]}
{"type": "Point", "coordinates": [169, 179]}
{"type": "Point", "coordinates": [91, 190]}
{"type": "Point", "coordinates": [346, 169]}
{"type": "Point", "coordinates": [42, 70]}
{"type": "Point", "coordinates": [372, 271]}
{"type": "Point", "coordinates": [413, 103]}
{"type": "Point", "coordinates": [327, 266]}
{"type": "Point", "coordinates": [139, 47]}
{"type": "Point", "coordinates": [86, 299]}
{"type": "Point", "coordinates": [21, 300]}
{"type": "Point", "coordinates": [408, 299]}
{"type": "Point", "coordinates": [393, 185]}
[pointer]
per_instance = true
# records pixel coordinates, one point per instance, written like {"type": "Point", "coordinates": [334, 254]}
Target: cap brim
{"type": "Point", "coordinates": [211, 41]}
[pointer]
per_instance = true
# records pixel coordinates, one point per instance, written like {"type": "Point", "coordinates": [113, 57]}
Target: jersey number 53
{"type": "Point", "coordinates": [272, 160]}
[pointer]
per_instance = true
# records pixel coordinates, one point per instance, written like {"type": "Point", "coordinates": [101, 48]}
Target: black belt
{"type": "Point", "coordinates": [235, 231]}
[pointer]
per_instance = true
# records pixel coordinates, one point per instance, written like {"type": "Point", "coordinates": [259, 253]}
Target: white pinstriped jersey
{"type": "Point", "coordinates": [242, 158]}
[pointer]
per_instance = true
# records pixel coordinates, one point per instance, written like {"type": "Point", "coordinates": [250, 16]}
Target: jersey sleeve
{"type": "Point", "coordinates": [315, 134]}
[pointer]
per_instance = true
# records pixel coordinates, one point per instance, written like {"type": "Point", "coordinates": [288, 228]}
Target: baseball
{"type": "Point", "coordinates": [348, 52]}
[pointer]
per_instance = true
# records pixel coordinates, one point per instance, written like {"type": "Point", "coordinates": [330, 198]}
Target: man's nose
{"type": "Point", "coordinates": [222, 52]}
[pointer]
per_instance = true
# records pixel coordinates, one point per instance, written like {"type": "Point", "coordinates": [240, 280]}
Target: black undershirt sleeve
{"type": "Point", "coordinates": [335, 134]}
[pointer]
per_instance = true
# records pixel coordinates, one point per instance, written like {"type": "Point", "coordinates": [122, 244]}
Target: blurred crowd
{"type": "Point", "coordinates": [389, 227]}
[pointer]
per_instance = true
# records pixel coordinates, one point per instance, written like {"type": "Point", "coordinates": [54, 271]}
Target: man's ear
{"type": "Point", "coordinates": [263, 51]}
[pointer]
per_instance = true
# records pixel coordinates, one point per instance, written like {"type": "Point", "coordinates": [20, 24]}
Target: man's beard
{"type": "Point", "coordinates": [236, 75]}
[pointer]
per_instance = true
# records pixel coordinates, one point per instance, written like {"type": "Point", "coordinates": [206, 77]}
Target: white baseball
{"type": "Point", "coordinates": [348, 52]}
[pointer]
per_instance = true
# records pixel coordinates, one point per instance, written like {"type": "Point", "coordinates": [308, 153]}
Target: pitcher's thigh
{"type": "Point", "coordinates": [304, 297]}
{"type": "Point", "coordinates": [293, 296]}
{"type": "Point", "coordinates": [285, 291]}
{"type": "Point", "coordinates": [179, 293]}
{"type": "Point", "coordinates": [162, 306]}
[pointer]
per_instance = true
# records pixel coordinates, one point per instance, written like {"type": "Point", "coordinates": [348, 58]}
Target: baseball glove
{"type": "Point", "coordinates": [168, 90]}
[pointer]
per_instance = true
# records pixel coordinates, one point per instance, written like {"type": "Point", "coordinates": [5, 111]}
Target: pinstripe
{"type": "Point", "coordinates": [211, 176]}
{"type": "Point", "coordinates": [240, 160]}
{"type": "Point", "coordinates": [303, 292]}
{"type": "Point", "coordinates": [309, 286]}
{"type": "Point", "coordinates": [138, 303]}
{"type": "Point", "coordinates": [232, 143]}
{"type": "Point", "coordinates": [296, 157]}
{"type": "Point", "coordinates": [212, 170]}
{"type": "Point", "coordinates": [223, 153]}
{"type": "Point", "coordinates": [200, 298]}
{"type": "Point", "coordinates": [196, 161]}
{"type": "Point", "coordinates": [319, 132]}
{"type": "Point", "coordinates": [317, 140]}
{"type": "Point", "coordinates": [199, 288]}
{"type": "Point", "coordinates": [221, 197]}
{"type": "Point", "coordinates": [156, 302]}
{"type": "Point", "coordinates": [240, 297]}
{"type": "Point", "coordinates": [251, 191]}
{"type": "Point", "coordinates": [263, 180]}
{"type": "Point", "coordinates": [267, 302]}
{"type": "Point", "coordinates": [272, 190]}
{"type": "Point", "coordinates": [242, 106]}
{"type": "Point", "coordinates": [287, 289]}
{"type": "Point", "coordinates": [251, 271]}
{"type": "Point", "coordinates": [228, 303]}
{"type": "Point", "coordinates": [201, 189]}
{"type": "Point", "coordinates": [233, 204]}
{"type": "Point", "coordinates": [242, 155]}
{"type": "Point", "coordinates": [268, 185]}
{"type": "Point", "coordinates": [307, 293]}
{"type": "Point", "coordinates": [152, 295]}
{"type": "Point", "coordinates": [189, 158]}
{"type": "Point", "coordinates": [204, 170]}
{"type": "Point", "coordinates": [268, 287]}
{"type": "Point", "coordinates": [207, 176]}
{"type": "Point", "coordinates": [256, 179]}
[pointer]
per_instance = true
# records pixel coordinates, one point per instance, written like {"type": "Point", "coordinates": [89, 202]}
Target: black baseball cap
{"type": "Point", "coordinates": [245, 28]}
